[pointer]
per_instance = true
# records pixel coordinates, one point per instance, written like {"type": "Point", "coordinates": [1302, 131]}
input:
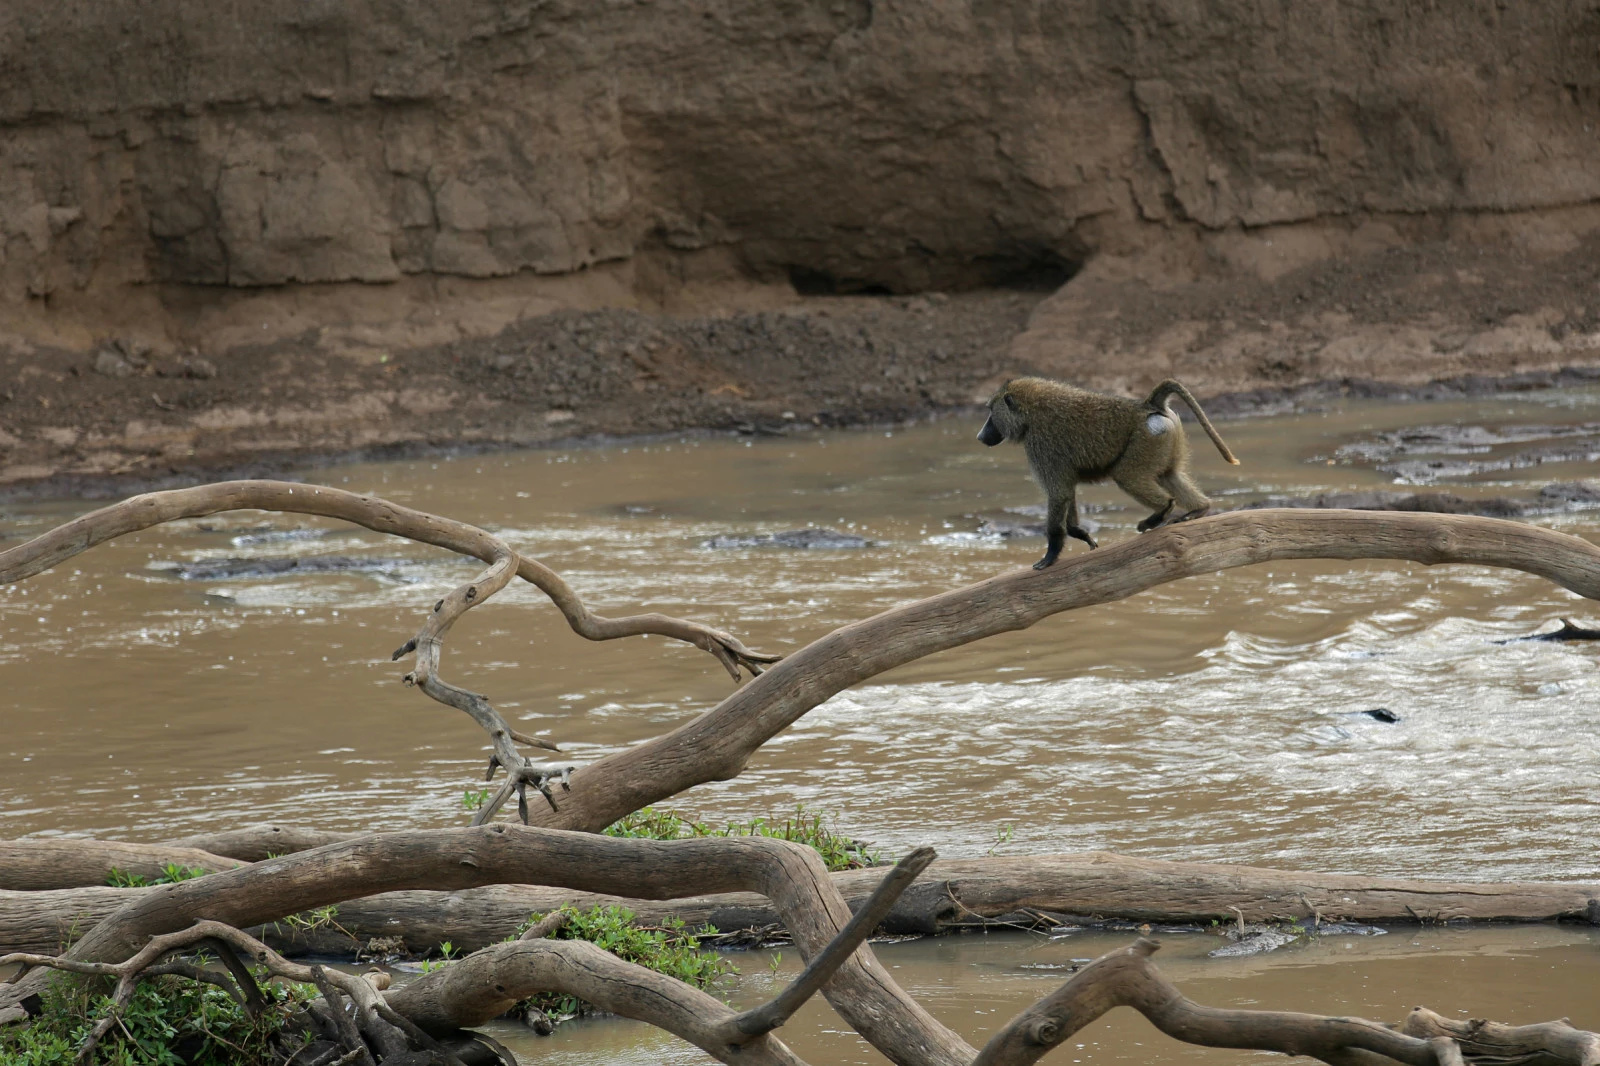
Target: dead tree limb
{"type": "Point", "coordinates": [716, 746]}
{"type": "Point", "coordinates": [1532, 1045]}
{"type": "Point", "coordinates": [262, 841]}
{"type": "Point", "coordinates": [62, 862]}
{"type": "Point", "coordinates": [454, 997]}
{"type": "Point", "coordinates": [1127, 978]}
{"type": "Point", "coordinates": [155, 508]}
{"type": "Point", "coordinates": [791, 875]}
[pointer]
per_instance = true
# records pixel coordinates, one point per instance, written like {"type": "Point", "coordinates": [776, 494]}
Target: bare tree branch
{"type": "Point", "coordinates": [1127, 978]}
{"type": "Point", "coordinates": [27, 865]}
{"type": "Point", "coordinates": [155, 508]}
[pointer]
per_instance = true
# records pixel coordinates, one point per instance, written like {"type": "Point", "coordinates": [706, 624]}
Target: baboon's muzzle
{"type": "Point", "coordinates": [989, 434]}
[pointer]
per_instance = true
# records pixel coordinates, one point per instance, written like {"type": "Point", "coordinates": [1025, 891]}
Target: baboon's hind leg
{"type": "Point", "coordinates": [1186, 495]}
{"type": "Point", "coordinates": [1148, 491]}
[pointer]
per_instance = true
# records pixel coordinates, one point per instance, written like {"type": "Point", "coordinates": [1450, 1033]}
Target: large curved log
{"type": "Point", "coordinates": [791, 875]}
{"type": "Point", "coordinates": [715, 746]}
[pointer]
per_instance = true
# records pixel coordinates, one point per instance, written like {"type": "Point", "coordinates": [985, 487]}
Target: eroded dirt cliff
{"type": "Point", "coordinates": [304, 191]}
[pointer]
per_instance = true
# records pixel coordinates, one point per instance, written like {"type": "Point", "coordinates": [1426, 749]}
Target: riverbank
{"type": "Point", "coordinates": [362, 379]}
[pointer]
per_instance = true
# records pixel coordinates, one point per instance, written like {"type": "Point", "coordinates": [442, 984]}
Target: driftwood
{"type": "Point", "coordinates": [1127, 978]}
{"type": "Point", "coordinates": [155, 508]}
{"type": "Point", "coordinates": [716, 746]}
{"type": "Point", "coordinates": [63, 862]}
{"type": "Point", "coordinates": [262, 841]}
{"type": "Point", "coordinates": [952, 893]}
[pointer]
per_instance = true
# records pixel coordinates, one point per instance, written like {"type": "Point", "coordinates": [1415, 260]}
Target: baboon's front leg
{"type": "Point", "coordinates": [1061, 521]}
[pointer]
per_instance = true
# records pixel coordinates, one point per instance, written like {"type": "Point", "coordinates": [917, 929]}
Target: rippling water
{"type": "Point", "coordinates": [1217, 718]}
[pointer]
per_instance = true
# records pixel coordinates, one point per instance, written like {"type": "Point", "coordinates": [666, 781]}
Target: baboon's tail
{"type": "Point", "coordinates": [1159, 400]}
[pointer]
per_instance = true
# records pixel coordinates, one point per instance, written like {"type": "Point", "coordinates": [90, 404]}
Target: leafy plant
{"type": "Point", "coordinates": [474, 798]}
{"type": "Point", "coordinates": [318, 918]}
{"type": "Point", "coordinates": [803, 827]}
{"type": "Point", "coordinates": [169, 1021]}
{"type": "Point", "coordinates": [668, 948]}
{"type": "Point", "coordinates": [171, 874]}
{"type": "Point", "coordinates": [1002, 836]}
{"type": "Point", "coordinates": [447, 952]}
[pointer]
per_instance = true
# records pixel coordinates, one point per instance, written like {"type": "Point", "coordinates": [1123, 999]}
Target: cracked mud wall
{"type": "Point", "coordinates": [859, 144]}
{"type": "Point", "coordinates": [387, 224]}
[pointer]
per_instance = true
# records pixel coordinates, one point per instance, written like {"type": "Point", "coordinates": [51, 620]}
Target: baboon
{"type": "Point", "coordinates": [1073, 435]}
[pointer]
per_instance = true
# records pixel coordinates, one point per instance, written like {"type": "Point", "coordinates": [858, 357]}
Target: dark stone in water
{"type": "Point", "coordinates": [1382, 714]}
{"type": "Point", "coordinates": [1021, 522]}
{"type": "Point", "coordinates": [1571, 492]}
{"type": "Point", "coordinates": [1567, 632]}
{"type": "Point", "coordinates": [228, 569]}
{"type": "Point", "coordinates": [794, 538]}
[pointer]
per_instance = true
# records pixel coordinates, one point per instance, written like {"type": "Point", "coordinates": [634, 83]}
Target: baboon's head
{"type": "Point", "coordinates": [1005, 421]}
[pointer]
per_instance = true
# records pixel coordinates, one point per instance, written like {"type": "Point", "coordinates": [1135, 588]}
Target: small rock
{"type": "Point", "coordinates": [1572, 492]}
{"type": "Point", "coordinates": [112, 365]}
{"type": "Point", "coordinates": [558, 416]}
{"type": "Point", "coordinates": [198, 366]}
{"type": "Point", "coordinates": [1257, 943]}
{"type": "Point", "coordinates": [233, 569]}
{"type": "Point", "coordinates": [137, 353]}
{"type": "Point", "coordinates": [1382, 714]}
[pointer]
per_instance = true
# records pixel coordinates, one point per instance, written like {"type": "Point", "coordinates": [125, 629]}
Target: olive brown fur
{"type": "Point", "coordinates": [1072, 436]}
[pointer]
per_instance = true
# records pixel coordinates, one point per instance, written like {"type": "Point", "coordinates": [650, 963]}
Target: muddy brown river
{"type": "Point", "coordinates": [161, 685]}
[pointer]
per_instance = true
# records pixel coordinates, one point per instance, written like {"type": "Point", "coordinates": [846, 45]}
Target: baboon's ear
{"type": "Point", "coordinates": [1011, 401]}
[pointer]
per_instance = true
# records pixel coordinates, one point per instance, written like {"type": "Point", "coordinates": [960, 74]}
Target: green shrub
{"type": "Point", "coordinates": [170, 1021]}
{"type": "Point", "coordinates": [802, 827]}
{"type": "Point", "coordinates": [668, 948]}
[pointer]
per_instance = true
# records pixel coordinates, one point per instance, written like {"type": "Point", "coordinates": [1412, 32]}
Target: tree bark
{"type": "Point", "coordinates": [64, 862]}
{"type": "Point", "coordinates": [264, 841]}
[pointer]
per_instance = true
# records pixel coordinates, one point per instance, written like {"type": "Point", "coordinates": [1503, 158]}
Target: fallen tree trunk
{"type": "Point", "coordinates": [63, 862]}
{"type": "Point", "coordinates": [951, 892]}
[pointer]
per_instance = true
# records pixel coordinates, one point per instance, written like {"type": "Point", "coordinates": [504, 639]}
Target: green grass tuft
{"type": "Point", "coordinates": [668, 948]}
{"type": "Point", "coordinates": [802, 827]}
